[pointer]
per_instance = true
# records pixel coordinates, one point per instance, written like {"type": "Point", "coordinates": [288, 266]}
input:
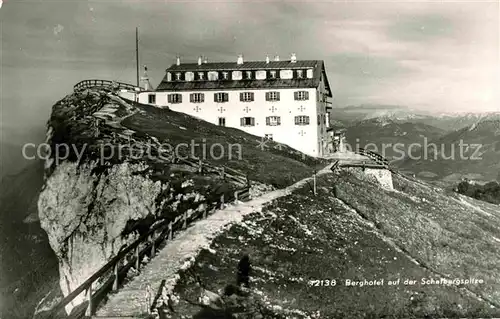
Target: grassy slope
{"type": "Point", "coordinates": [270, 165]}
{"type": "Point", "coordinates": [330, 241]}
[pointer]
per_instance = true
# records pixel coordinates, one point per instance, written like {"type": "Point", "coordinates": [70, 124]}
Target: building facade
{"type": "Point", "coordinates": [286, 101]}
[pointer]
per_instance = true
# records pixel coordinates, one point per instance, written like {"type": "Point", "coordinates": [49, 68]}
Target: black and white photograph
{"type": "Point", "coordinates": [239, 159]}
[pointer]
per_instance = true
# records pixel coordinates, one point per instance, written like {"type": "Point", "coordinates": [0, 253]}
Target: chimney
{"type": "Point", "coordinates": [199, 60]}
{"type": "Point", "coordinates": [205, 60]}
{"type": "Point", "coordinates": [293, 58]}
{"type": "Point", "coordinates": [276, 58]}
{"type": "Point", "coordinates": [240, 59]}
{"type": "Point", "coordinates": [178, 60]}
{"type": "Point", "coordinates": [267, 58]}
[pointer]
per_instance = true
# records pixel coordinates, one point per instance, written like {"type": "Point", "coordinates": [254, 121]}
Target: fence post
{"type": "Point", "coordinates": [200, 166]}
{"type": "Point", "coordinates": [184, 224]}
{"type": "Point", "coordinates": [115, 281]}
{"type": "Point", "coordinates": [137, 261]}
{"type": "Point", "coordinates": [88, 311]}
{"type": "Point", "coordinates": [222, 201]}
{"type": "Point", "coordinates": [314, 182]}
{"type": "Point", "coordinates": [170, 231]}
{"type": "Point", "coordinates": [152, 239]}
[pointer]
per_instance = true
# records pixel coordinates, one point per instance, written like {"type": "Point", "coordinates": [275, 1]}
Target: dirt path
{"type": "Point", "coordinates": [179, 253]}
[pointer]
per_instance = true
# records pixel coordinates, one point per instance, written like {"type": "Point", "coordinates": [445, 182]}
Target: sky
{"type": "Point", "coordinates": [432, 56]}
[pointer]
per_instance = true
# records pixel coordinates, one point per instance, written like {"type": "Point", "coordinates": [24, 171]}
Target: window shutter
{"type": "Point", "coordinates": [215, 97]}
{"type": "Point", "coordinates": [191, 97]}
{"type": "Point", "coordinates": [252, 121]}
{"type": "Point", "coordinates": [251, 96]}
{"type": "Point", "coordinates": [277, 96]}
{"type": "Point", "coordinates": [296, 95]}
{"type": "Point", "coordinates": [202, 97]}
{"type": "Point", "coordinates": [307, 119]}
{"type": "Point", "coordinates": [242, 121]}
{"type": "Point", "coordinates": [268, 120]}
{"type": "Point", "coordinates": [241, 97]}
{"type": "Point", "coordinates": [279, 120]}
{"type": "Point", "coordinates": [169, 98]}
{"type": "Point", "coordinates": [306, 95]}
{"type": "Point", "coordinates": [296, 120]}
{"type": "Point", "coordinates": [226, 97]}
{"type": "Point", "coordinates": [268, 98]}
{"type": "Point", "coordinates": [180, 98]}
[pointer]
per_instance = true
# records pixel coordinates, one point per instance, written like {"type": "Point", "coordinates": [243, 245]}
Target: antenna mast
{"type": "Point", "coordinates": [137, 52]}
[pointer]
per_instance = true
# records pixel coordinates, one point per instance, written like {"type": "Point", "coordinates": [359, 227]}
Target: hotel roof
{"type": "Point", "coordinates": [316, 65]}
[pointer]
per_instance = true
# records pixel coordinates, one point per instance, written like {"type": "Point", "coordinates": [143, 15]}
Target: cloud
{"type": "Point", "coordinates": [425, 27]}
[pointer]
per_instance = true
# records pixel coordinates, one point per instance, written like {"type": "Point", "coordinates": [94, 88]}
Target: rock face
{"type": "Point", "coordinates": [84, 215]}
{"type": "Point", "coordinates": [91, 206]}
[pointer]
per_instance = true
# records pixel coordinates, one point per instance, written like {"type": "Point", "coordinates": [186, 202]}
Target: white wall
{"type": "Point", "coordinates": [300, 137]}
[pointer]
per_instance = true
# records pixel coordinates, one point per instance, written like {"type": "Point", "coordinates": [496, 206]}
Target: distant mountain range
{"type": "Point", "coordinates": [416, 134]}
{"type": "Point", "coordinates": [445, 121]}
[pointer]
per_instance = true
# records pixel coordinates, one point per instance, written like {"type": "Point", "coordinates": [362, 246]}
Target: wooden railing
{"type": "Point", "coordinates": [159, 233]}
{"type": "Point", "coordinates": [377, 158]}
{"type": "Point", "coordinates": [88, 84]}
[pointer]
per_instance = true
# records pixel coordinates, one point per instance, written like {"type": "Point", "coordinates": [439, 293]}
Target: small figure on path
{"type": "Point", "coordinates": [244, 268]}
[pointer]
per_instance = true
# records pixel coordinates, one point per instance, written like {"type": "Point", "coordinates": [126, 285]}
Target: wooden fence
{"type": "Point", "coordinates": [146, 244]}
{"type": "Point", "coordinates": [379, 160]}
{"type": "Point", "coordinates": [88, 84]}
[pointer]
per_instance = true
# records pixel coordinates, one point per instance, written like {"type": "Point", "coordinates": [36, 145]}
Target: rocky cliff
{"type": "Point", "coordinates": [109, 178]}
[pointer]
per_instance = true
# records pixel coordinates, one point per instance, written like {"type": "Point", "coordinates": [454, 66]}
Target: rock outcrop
{"type": "Point", "coordinates": [94, 203]}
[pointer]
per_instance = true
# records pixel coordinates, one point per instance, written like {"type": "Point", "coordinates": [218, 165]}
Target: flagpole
{"type": "Point", "coordinates": [137, 52]}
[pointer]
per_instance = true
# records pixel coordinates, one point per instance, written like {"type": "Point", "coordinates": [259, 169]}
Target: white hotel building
{"type": "Point", "coordinates": [286, 101]}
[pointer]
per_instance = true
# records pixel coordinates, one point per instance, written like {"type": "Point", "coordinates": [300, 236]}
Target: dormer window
{"type": "Point", "coordinates": [178, 76]}
{"type": "Point", "coordinates": [300, 74]}
{"type": "Point", "coordinates": [225, 75]}
{"type": "Point", "coordinates": [189, 76]}
{"type": "Point", "coordinates": [249, 75]}
{"type": "Point", "coordinates": [260, 75]}
{"type": "Point", "coordinates": [213, 76]}
{"type": "Point", "coordinates": [272, 74]}
{"type": "Point", "coordinates": [169, 76]}
{"type": "Point", "coordinates": [201, 76]}
{"type": "Point", "coordinates": [237, 75]}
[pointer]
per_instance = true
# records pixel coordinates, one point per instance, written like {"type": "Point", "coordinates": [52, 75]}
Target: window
{"type": "Point", "coordinates": [248, 75]}
{"type": "Point", "coordinates": [221, 97]}
{"type": "Point", "coordinates": [309, 73]}
{"type": "Point", "coordinates": [246, 97]}
{"type": "Point", "coordinates": [260, 75]}
{"type": "Point", "coordinates": [222, 121]}
{"type": "Point", "coordinates": [286, 74]}
{"type": "Point", "coordinates": [300, 74]}
{"type": "Point", "coordinates": [272, 96]}
{"type": "Point", "coordinates": [302, 120]}
{"type": "Point", "coordinates": [225, 75]}
{"type": "Point", "coordinates": [169, 76]}
{"type": "Point", "coordinates": [273, 121]}
{"type": "Point", "coordinates": [247, 121]}
{"type": "Point", "coordinates": [174, 98]}
{"type": "Point", "coordinates": [272, 74]}
{"type": "Point", "coordinates": [213, 76]}
{"type": "Point", "coordinates": [197, 97]}
{"type": "Point", "coordinates": [236, 75]}
{"type": "Point", "coordinates": [301, 95]}
{"type": "Point", "coordinates": [189, 76]}
{"type": "Point", "coordinates": [178, 76]}
{"type": "Point", "coordinates": [268, 137]}
{"type": "Point", "coordinates": [201, 76]}
{"type": "Point", "coordinates": [319, 119]}
{"type": "Point", "coordinates": [152, 98]}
